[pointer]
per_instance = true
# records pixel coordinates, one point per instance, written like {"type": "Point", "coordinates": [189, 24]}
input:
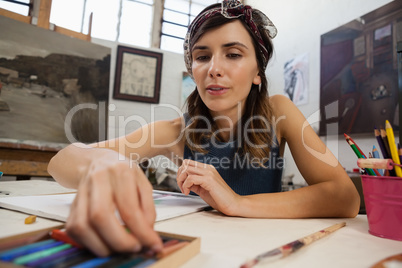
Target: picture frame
{"type": "Point", "coordinates": [359, 74]}
{"type": "Point", "coordinates": [138, 75]}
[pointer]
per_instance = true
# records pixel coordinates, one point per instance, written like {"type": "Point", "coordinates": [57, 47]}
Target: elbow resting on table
{"type": "Point", "coordinates": [352, 205]}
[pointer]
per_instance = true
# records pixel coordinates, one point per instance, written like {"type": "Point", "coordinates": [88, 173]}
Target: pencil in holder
{"type": "Point", "coordinates": [383, 200]}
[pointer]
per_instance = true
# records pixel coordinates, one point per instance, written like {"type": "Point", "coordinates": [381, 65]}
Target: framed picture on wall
{"type": "Point", "coordinates": [359, 74]}
{"type": "Point", "coordinates": [138, 75]}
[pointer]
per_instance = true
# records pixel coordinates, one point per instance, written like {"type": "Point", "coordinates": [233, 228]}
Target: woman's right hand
{"type": "Point", "coordinates": [106, 186]}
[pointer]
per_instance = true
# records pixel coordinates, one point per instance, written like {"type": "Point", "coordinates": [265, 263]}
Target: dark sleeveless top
{"type": "Point", "coordinates": [243, 175]}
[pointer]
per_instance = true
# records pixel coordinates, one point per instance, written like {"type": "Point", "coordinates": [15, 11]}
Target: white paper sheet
{"type": "Point", "coordinates": [57, 207]}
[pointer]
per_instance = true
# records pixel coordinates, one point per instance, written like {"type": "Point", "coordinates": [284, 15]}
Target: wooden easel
{"type": "Point", "coordinates": [22, 159]}
{"type": "Point", "coordinates": [26, 160]}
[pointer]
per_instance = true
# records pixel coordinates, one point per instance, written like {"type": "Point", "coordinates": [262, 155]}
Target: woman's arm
{"type": "Point", "coordinates": [330, 193]}
{"type": "Point", "coordinates": [108, 178]}
{"type": "Point", "coordinates": [158, 138]}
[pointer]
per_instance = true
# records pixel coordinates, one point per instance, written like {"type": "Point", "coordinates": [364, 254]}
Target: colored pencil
{"type": "Point", "coordinates": [56, 256]}
{"type": "Point", "coordinates": [60, 251]}
{"type": "Point", "coordinates": [380, 143]}
{"type": "Point", "coordinates": [358, 154]}
{"type": "Point", "coordinates": [384, 138]}
{"type": "Point", "coordinates": [386, 143]}
{"type": "Point", "coordinates": [70, 260]}
{"type": "Point", "coordinates": [93, 262]}
{"type": "Point", "coordinates": [347, 137]}
{"type": "Point", "coordinates": [291, 247]}
{"type": "Point", "coordinates": [121, 259]}
{"type": "Point", "coordinates": [376, 155]}
{"type": "Point", "coordinates": [392, 147]}
{"type": "Point", "coordinates": [375, 152]}
{"type": "Point", "coordinates": [61, 235]}
{"type": "Point", "coordinates": [14, 253]}
{"type": "Point", "coordinates": [41, 254]}
{"type": "Point", "coordinates": [372, 171]}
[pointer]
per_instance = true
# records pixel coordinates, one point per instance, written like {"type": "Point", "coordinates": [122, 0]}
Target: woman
{"type": "Point", "coordinates": [231, 140]}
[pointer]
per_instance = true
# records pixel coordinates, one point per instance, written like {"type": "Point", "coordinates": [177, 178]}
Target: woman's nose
{"type": "Point", "coordinates": [216, 68]}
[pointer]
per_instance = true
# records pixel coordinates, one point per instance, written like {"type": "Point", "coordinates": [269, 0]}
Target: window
{"type": "Point", "coordinates": [20, 7]}
{"type": "Point", "coordinates": [105, 18]}
{"type": "Point", "coordinates": [67, 14]}
{"type": "Point", "coordinates": [136, 23]}
{"type": "Point", "coordinates": [126, 21]}
{"type": "Point", "coordinates": [177, 16]}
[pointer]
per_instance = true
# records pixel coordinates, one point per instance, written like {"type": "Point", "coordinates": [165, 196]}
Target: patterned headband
{"type": "Point", "coordinates": [231, 9]}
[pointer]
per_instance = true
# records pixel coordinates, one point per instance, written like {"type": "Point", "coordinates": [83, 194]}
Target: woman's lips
{"type": "Point", "coordinates": [216, 90]}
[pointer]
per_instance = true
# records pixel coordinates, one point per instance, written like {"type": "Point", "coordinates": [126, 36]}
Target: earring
{"type": "Point", "coordinates": [259, 87]}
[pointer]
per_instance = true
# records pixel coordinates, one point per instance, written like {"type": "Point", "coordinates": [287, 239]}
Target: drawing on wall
{"type": "Point", "coordinates": [359, 72]}
{"type": "Point", "coordinates": [47, 79]}
{"type": "Point", "coordinates": [296, 74]}
{"type": "Point", "coordinates": [138, 75]}
{"type": "Point", "coordinates": [187, 86]}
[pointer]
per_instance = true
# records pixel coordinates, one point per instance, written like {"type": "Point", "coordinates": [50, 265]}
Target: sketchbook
{"type": "Point", "coordinates": [57, 206]}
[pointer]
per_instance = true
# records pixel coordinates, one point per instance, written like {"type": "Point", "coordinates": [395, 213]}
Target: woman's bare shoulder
{"type": "Point", "coordinates": [279, 102]}
{"type": "Point", "coordinates": [170, 127]}
{"type": "Point", "coordinates": [169, 132]}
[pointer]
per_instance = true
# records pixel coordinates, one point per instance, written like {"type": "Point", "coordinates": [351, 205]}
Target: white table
{"type": "Point", "coordinates": [230, 241]}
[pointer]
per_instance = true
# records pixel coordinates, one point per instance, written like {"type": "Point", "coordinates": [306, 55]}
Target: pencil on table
{"type": "Point", "coordinates": [291, 247]}
{"type": "Point", "coordinates": [392, 147]}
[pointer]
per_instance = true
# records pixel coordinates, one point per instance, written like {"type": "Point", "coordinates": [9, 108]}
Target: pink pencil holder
{"type": "Point", "coordinates": [383, 199]}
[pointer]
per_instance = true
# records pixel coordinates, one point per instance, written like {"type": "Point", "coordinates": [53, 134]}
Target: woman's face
{"type": "Point", "coordinates": [224, 67]}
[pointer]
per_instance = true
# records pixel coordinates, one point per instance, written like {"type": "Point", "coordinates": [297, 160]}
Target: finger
{"type": "Point", "coordinates": [103, 218]}
{"type": "Point", "coordinates": [192, 163]}
{"type": "Point", "coordinates": [144, 191]}
{"type": "Point", "coordinates": [194, 170]}
{"type": "Point", "coordinates": [180, 180]}
{"type": "Point", "coordinates": [183, 168]}
{"type": "Point", "coordinates": [192, 181]}
{"type": "Point", "coordinates": [130, 208]}
{"type": "Point", "coordinates": [78, 226]}
{"type": "Point", "coordinates": [182, 174]}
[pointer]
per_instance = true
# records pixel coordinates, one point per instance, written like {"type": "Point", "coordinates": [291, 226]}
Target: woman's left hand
{"type": "Point", "coordinates": [204, 180]}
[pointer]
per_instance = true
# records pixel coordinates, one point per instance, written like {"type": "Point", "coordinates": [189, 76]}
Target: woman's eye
{"type": "Point", "coordinates": [201, 58]}
{"type": "Point", "coordinates": [234, 55]}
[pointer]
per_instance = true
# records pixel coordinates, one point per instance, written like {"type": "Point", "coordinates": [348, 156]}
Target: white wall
{"type": "Point", "coordinates": [126, 116]}
{"type": "Point", "coordinates": [300, 24]}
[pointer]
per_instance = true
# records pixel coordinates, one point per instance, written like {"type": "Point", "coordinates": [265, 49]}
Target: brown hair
{"type": "Point", "coordinates": [256, 107]}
